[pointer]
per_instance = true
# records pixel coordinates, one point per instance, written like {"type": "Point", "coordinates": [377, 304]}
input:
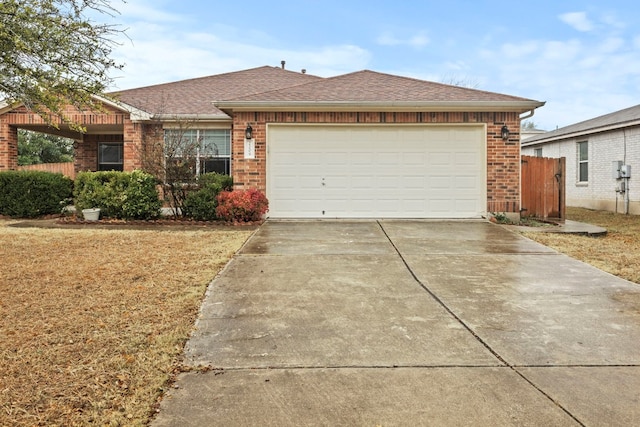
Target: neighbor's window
{"type": "Point", "coordinates": [199, 151]}
{"type": "Point", "coordinates": [537, 152]}
{"type": "Point", "coordinates": [583, 161]}
{"type": "Point", "coordinates": [110, 156]}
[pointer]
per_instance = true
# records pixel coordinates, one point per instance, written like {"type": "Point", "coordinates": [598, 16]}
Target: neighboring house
{"type": "Point", "coordinates": [591, 148]}
{"type": "Point", "coordinates": [529, 133]}
{"type": "Point", "coordinates": [359, 145]}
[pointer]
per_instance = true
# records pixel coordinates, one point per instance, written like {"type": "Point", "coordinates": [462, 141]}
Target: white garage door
{"type": "Point", "coordinates": [376, 171]}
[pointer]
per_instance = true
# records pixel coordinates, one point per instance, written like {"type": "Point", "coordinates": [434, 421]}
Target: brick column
{"type": "Point", "coordinates": [132, 145]}
{"type": "Point", "coordinates": [249, 173]}
{"type": "Point", "coordinates": [503, 166]}
{"type": "Point", "coordinates": [8, 145]}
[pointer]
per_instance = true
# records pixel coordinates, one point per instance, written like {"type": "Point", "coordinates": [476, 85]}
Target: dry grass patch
{"type": "Point", "coordinates": [617, 253]}
{"type": "Point", "coordinates": [94, 321]}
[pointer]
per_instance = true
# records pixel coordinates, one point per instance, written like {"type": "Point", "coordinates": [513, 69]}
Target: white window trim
{"type": "Point", "coordinates": [580, 161]}
{"type": "Point", "coordinates": [198, 129]}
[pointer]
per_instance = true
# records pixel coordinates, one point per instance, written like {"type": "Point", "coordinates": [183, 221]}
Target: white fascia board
{"type": "Point", "coordinates": [136, 114]}
{"type": "Point", "coordinates": [468, 106]}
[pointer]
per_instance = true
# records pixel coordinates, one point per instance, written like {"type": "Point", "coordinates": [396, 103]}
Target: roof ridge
{"type": "Point", "coordinates": [417, 80]}
{"type": "Point", "coordinates": [194, 79]}
{"type": "Point", "coordinates": [278, 90]}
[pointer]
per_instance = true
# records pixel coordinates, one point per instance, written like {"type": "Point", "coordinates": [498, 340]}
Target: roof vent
{"type": "Point", "coordinates": [304, 71]}
{"type": "Point", "coordinates": [282, 63]}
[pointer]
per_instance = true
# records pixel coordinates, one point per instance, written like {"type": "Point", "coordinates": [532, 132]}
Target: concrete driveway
{"type": "Point", "coordinates": [397, 323]}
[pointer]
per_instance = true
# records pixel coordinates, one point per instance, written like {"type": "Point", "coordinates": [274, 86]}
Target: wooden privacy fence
{"type": "Point", "coordinates": [65, 169]}
{"type": "Point", "coordinates": [543, 187]}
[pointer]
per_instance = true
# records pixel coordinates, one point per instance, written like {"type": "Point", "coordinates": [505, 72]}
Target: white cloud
{"type": "Point", "coordinates": [417, 41]}
{"type": "Point", "coordinates": [159, 58]}
{"type": "Point", "coordinates": [577, 20]}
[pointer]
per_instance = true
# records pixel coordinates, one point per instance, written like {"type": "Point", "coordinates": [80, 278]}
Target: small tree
{"type": "Point", "coordinates": [462, 81]}
{"type": "Point", "coordinates": [52, 53]}
{"type": "Point", "coordinates": [171, 156]}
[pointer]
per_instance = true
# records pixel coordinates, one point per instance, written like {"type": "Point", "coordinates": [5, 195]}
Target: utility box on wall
{"type": "Point", "coordinates": [625, 171]}
{"type": "Point", "coordinates": [616, 165]}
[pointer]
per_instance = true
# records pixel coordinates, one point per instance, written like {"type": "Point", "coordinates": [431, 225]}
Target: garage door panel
{"type": "Point", "coordinates": [374, 171]}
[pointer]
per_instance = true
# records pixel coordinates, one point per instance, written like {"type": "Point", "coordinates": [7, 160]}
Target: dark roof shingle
{"type": "Point", "coordinates": [371, 86]}
{"type": "Point", "coordinates": [196, 96]}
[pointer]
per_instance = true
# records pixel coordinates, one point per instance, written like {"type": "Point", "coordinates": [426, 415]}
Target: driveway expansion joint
{"type": "Point", "coordinates": [439, 301]}
{"type": "Point", "coordinates": [472, 332]}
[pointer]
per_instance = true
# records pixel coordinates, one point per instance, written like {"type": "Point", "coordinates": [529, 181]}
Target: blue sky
{"type": "Point", "coordinates": [581, 57]}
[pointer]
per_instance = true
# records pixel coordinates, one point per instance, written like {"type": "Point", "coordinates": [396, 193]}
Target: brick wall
{"type": "Point", "coordinates": [86, 155]}
{"type": "Point", "coordinates": [8, 145]}
{"type": "Point", "coordinates": [503, 157]}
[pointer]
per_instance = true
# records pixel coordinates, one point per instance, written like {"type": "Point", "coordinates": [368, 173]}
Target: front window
{"type": "Point", "coordinates": [537, 152]}
{"type": "Point", "coordinates": [192, 152]}
{"type": "Point", "coordinates": [583, 161]}
{"type": "Point", "coordinates": [110, 156]}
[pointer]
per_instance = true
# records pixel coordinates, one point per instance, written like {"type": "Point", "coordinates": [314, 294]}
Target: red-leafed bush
{"type": "Point", "coordinates": [242, 205]}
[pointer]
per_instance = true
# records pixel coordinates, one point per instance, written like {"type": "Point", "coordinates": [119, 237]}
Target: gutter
{"type": "Point", "coordinates": [435, 106]}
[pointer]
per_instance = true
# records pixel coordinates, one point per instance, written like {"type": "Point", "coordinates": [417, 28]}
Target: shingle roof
{"type": "Point", "coordinates": [281, 88]}
{"type": "Point", "coordinates": [371, 86]}
{"type": "Point", "coordinates": [196, 96]}
{"type": "Point", "coordinates": [618, 119]}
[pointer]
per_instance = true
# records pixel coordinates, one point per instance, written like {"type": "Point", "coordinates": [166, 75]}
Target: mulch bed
{"type": "Point", "coordinates": [58, 221]}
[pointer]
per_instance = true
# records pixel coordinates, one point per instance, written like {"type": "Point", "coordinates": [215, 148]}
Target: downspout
{"type": "Point", "coordinates": [626, 179]}
{"type": "Point", "coordinates": [531, 113]}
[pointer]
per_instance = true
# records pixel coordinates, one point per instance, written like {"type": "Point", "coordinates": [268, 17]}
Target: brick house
{"type": "Point", "coordinates": [594, 150]}
{"type": "Point", "coordinates": [363, 144]}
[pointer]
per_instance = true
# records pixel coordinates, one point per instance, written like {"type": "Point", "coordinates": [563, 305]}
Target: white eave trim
{"type": "Point", "coordinates": [581, 133]}
{"type": "Point", "coordinates": [136, 114]}
{"type": "Point", "coordinates": [462, 106]}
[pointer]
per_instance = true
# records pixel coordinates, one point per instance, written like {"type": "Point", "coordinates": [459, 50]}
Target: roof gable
{"type": "Point", "coordinates": [371, 86]}
{"type": "Point", "coordinates": [276, 88]}
{"type": "Point", "coordinates": [367, 89]}
{"type": "Point", "coordinates": [194, 97]}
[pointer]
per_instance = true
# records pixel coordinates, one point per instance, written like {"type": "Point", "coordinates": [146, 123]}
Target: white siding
{"type": "Point", "coordinates": [604, 148]}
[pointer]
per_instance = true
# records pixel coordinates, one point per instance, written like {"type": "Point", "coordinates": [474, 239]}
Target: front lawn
{"type": "Point", "coordinates": [617, 253]}
{"type": "Point", "coordinates": [94, 321]}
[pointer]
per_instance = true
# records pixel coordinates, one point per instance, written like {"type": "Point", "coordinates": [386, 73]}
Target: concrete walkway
{"type": "Point", "coordinates": [565, 227]}
{"type": "Point", "coordinates": [397, 323]}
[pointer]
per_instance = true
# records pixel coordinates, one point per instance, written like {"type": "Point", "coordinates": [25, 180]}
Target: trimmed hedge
{"type": "Point", "coordinates": [122, 195]}
{"type": "Point", "coordinates": [29, 194]}
{"type": "Point", "coordinates": [201, 204]}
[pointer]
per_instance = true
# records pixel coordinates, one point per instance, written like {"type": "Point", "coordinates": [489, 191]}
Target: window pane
{"type": "Point", "coordinates": [584, 150]}
{"type": "Point", "coordinates": [584, 172]}
{"type": "Point", "coordinates": [110, 153]}
{"type": "Point", "coordinates": [180, 142]}
{"type": "Point", "coordinates": [220, 165]}
{"type": "Point", "coordinates": [215, 142]}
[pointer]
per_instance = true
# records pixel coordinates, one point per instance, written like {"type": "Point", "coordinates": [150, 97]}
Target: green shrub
{"type": "Point", "coordinates": [242, 205]}
{"type": "Point", "coordinates": [212, 178]}
{"type": "Point", "coordinates": [124, 195]}
{"type": "Point", "coordinates": [29, 194]}
{"type": "Point", "coordinates": [201, 204]}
